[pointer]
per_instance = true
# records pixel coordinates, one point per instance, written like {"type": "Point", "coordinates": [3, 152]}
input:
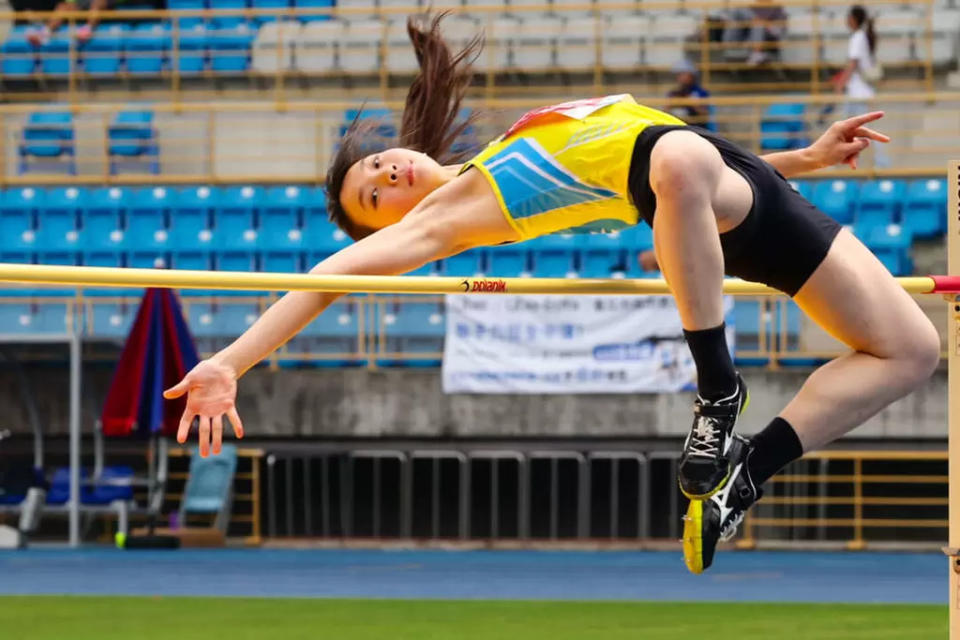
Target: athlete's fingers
{"type": "Point", "coordinates": [204, 436]}
{"type": "Point", "coordinates": [234, 418]}
{"type": "Point", "coordinates": [853, 148]}
{"type": "Point", "coordinates": [177, 390]}
{"type": "Point", "coordinates": [184, 429]}
{"type": "Point", "coordinates": [858, 121]}
{"type": "Point", "coordinates": [217, 433]}
{"type": "Point", "coordinates": [864, 132]}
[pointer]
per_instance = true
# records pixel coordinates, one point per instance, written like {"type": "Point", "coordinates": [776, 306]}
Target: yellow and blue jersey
{"type": "Point", "coordinates": [565, 168]}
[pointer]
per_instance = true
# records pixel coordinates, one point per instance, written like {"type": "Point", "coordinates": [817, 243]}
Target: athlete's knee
{"type": "Point", "coordinates": [919, 353]}
{"type": "Point", "coordinates": [684, 166]}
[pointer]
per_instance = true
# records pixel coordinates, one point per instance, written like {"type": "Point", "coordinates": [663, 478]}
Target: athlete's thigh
{"type": "Point", "coordinates": [854, 298]}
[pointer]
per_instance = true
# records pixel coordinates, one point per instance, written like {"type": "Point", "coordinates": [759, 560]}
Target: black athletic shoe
{"type": "Point", "coordinates": [705, 464]}
{"type": "Point", "coordinates": [716, 519]}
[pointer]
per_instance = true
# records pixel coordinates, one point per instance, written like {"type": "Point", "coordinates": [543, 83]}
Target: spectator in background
{"type": "Point", "coordinates": [647, 260]}
{"type": "Point", "coordinates": [757, 25]}
{"type": "Point", "coordinates": [41, 35]}
{"type": "Point", "coordinates": [688, 86]}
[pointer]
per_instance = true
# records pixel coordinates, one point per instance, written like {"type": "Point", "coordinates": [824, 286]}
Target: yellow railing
{"type": "Point", "coordinates": [371, 340]}
{"type": "Point", "coordinates": [292, 142]}
{"type": "Point", "coordinates": [606, 46]}
{"type": "Point", "coordinates": [850, 496]}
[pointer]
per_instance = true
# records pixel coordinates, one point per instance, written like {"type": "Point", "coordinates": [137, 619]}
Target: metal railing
{"type": "Point", "coordinates": [604, 45]}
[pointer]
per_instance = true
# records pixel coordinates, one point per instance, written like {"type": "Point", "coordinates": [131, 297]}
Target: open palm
{"type": "Point", "coordinates": [211, 390]}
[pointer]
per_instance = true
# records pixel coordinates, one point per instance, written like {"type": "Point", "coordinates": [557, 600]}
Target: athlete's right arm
{"type": "Point", "coordinates": [460, 215]}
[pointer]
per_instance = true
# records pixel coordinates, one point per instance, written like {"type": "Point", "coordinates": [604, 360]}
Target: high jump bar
{"type": "Point", "coordinates": [239, 280]}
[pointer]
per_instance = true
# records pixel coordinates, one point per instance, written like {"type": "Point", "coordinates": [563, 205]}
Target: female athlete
{"type": "Point", "coordinates": [599, 165]}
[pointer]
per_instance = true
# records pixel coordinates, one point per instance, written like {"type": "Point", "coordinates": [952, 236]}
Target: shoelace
{"type": "Point", "coordinates": [730, 529]}
{"type": "Point", "coordinates": [704, 439]}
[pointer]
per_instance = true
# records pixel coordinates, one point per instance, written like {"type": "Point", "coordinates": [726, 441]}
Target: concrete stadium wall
{"type": "Point", "coordinates": [319, 403]}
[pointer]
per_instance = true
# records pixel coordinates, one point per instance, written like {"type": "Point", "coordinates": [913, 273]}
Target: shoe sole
{"type": "Point", "coordinates": [693, 537]}
{"type": "Point", "coordinates": [713, 492]}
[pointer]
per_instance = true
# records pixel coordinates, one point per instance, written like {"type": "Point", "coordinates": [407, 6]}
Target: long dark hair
{"type": "Point", "coordinates": [430, 113]}
{"type": "Point", "coordinates": [859, 15]}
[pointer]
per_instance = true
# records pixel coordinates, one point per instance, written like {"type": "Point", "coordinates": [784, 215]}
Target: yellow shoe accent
{"type": "Point", "coordinates": [706, 496]}
{"type": "Point", "coordinates": [746, 403]}
{"type": "Point", "coordinates": [693, 537]}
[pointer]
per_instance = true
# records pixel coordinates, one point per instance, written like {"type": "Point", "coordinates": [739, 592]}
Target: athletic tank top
{"type": "Point", "coordinates": [565, 168]}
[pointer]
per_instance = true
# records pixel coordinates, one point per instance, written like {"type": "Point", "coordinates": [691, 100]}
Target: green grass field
{"type": "Point", "coordinates": [129, 618]}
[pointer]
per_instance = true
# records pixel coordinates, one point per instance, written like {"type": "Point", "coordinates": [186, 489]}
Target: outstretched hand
{"type": "Point", "coordinates": [211, 389]}
{"type": "Point", "coordinates": [845, 139]}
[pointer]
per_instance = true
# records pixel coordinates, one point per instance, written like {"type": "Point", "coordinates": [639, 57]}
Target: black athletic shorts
{"type": "Point", "coordinates": [782, 240]}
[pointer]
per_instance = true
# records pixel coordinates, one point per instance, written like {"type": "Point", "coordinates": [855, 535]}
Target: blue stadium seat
{"type": "Point", "coordinates": [18, 210]}
{"type": "Point", "coordinates": [201, 319]}
{"type": "Point", "coordinates": [509, 261]}
{"type": "Point", "coordinates": [639, 237]}
{"type": "Point", "coordinates": [147, 219]}
{"type": "Point", "coordinates": [102, 226]}
{"type": "Point", "coordinates": [280, 214]}
{"type": "Point", "coordinates": [322, 237]}
{"type": "Point", "coordinates": [387, 129]}
{"type": "Point", "coordinates": [228, 22]}
{"type": "Point", "coordinates": [554, 255]}
{"type": "Point", "coordinates": [61, 258]}
{"type": "Point", "coordinates": [924, 213]}
{"type": "Point", "coordinates": [17, 317]}
{"type": "Point", "coordinates": [187, 22]}
{"type": "Point", "coordinates": [602, 256]}
{"type": "Point", "coordinates": [57, 219]}
{"type": "Point", "coordinates": [230, 49]}
{"type": "Point", "coordinates": [781, 127]}
{"type": "Point", "coordinates": [281, 261]}
{"type": "Point", "coordinates": [836, 198]}
{"type": "Point", "coordinates": [234, 218]}
{"type": "Point", "coordinates": [746, 317]}
{"type": "Point", "coordinates": [190, 218]}
{"type": "Point", "coordinates": [466, 264]}
{"type": "Point", "coordinates": [236, 261]}
{"type": "Point", "coordinates": [19, 58]}
{"type": "Point", "coordinates": [415, 328]}
{"type": "Point", "coordinates": [194, 45]}
{"type": "Point", "coordinates": [111, 319]}
{"type": "Point", "coordinates": [132, 136]}
{"type": "Point", "coordinates": [880, 201]}
{"type": "Point", "coordinates": [102, 55]}
{"type": "Point", "coordinates": [335, 331]}
{"type": "Point", "coordinates": [55, 54]}
{"type": "Point", "coordinates": [147, 259]}
{"type": "Point", "coordinates": [191, 261]}
{"type": "Point", "coordinates": [313, 4]}
{"type": "Point", "coordinates": [277, 5]}
{"type": "Point", "coordinates": [48, 136]}
{"type": "Point", "coordinates": [891, 244]}
{"type": "Point", "coordinates": [145, 48]}
{"type": "Point", "coordinates": [104, 258]}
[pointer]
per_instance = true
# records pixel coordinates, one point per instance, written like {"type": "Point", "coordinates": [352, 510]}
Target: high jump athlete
{"type": "Point", "coordinates": [600, 165]}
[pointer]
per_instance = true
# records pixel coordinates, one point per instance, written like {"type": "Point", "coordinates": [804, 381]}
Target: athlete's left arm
{"type": "Point", "coordinates": [840, 144]}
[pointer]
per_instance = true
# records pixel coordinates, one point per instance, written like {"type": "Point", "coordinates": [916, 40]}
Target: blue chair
{"type": "Point", "coordinates": [103, 258]}
{"type": "Point", "coordinates": [323, 238]}
{"type": "Point", "coordinates": [57, 218]}
{"type": "Point", "coordinates": [386, 129]}
{"type": "Point", "coordinates": [313, 5]}
{"type": "Point", "coordinates": [508, 261]}
{"type": "Point", "coordinates": [602, 256]}
{"type": "Point", "coordinates": [233, 319]}
{"type": "Point", "coordinates": [55, 54]}
{"type": "Point", "coordinates": [554, 255]}
{"type": "Point", "coordinates": [17, 318]}
{"type": "Point", "coordinates": [209, 488]}
{"type": "Point", "coordinates": [102, 226]}
{"type": "Point", "coordinates": [234, 218]}
{"type": "Point", "coordinates": [281, 261]}
{"type": "Point", "coordinates": [235, 261]}
{"type": "Point", "coordinates": [924, 213]}
{"type": "Point", "coordinates": [146, 48]}
{"type": "Point", "coordinates": [147, 259]}
{"type": "Point", "coordinates": [228, 22]}
{"type": "Point", "coordinates": [639, 237]}
{"type": "Point", "coordinates": [190, 218]}
{"type": "Point", "coordinates": [111, 320]}
{"type": "Point", "coordinates": [147, 219]}
{"type": "Point", "coordinates": [19, 57]}
{"type": "Point", "coordinates": [187, 22]}
{"type": "Point", "coordinates": [230, 49]}
{"type": "Point", "coordinates": [276, 5]}
{"type": "Point", "coordinates": [880, 201]}
{"type": "Point", "coordinates": [132, 138]}
{"type": "Point", "coordinates": [61, 258]}
{"type": "Point", "coordinates": [466, 264]}
{"type": "Point", "coordinates": [103, 53]}
{"type": "Point", "coordinates": [194, 44]}
{"type": "Point", "coordinates": [781, 127]}
{"type": "Point", "coordinates": [891, 244]}
{"type": "Point", "coordinates": [18, 211]}
{"type": "Point", "coordinates": [415, 328]}
{"type": "Point", "coordinates": [280, 215]}
{"type": "Point", "coordinates": [201, 318]}
{"type": "Point", "coordinates": [334, 332]}
{"type": "Point", "coordinates": [836, 198]}
{"type": "Point", "coordinates": [48, 137]}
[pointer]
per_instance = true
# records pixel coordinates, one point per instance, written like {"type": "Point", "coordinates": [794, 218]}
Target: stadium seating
{"type": "Point", "coordinates": [836, 198]}
{"type": "Point", "coordinates": [187, 22]}
{"type": "Point", "coordinates": [229, 47]}
{"type": "Point", "coordinates": [145, 48]}
{"type": "Point", "coordinates": [48, 142]}
{"type": "Point", "coordinates": [782, 127]}
{"type": "Point", "coordinates": [923, 212]}
{"type": "Point", "coordinates": [103, 53]}
{"type": "Point", "coordinates": [133, 140]}
{"type": "Point", "coordinates": [879, 202]}
{"type": "Point", "coordinates": [19, 56]}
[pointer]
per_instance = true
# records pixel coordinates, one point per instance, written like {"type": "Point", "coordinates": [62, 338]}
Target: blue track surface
{"type": "Point", "coordinates": [753, 576]}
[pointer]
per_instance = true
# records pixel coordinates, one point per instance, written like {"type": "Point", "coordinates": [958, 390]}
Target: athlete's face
{"type": "Point", "coordinates": [381, 188]}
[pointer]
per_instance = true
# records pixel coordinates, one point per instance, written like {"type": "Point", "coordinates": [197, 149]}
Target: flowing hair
{"type": "Point", "coordinates": [859, 15]}
{"type": "Point", "coordinates": [430, 112]}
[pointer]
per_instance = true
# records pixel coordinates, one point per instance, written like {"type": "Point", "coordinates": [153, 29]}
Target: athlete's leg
{"type": "Point", "coordinates": [699, 197]}
{"type": "Point", "coordinates": [895, 346]}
